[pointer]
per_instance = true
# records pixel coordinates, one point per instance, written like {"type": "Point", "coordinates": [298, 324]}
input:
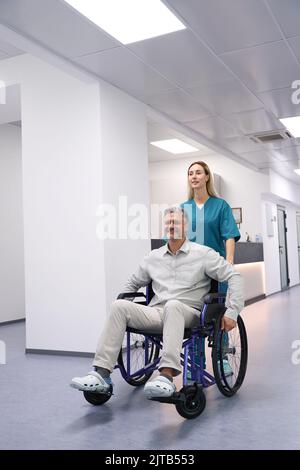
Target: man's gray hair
{"type": "Point", "coordinates": [176, 210]}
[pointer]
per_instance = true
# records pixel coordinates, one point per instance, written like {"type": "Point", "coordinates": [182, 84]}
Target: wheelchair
{"type": "Point", "coordinates": [141, 356]}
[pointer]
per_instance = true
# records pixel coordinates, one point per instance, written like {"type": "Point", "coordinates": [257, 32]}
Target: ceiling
{"type": "Point", "coordinates": [159, 131]}
{"type": "Point", "coordinates": [225, 77]}
{"type": "Point", "coordinates": [7, 50]}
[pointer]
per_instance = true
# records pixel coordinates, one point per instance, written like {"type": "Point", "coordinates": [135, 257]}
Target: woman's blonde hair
{"type": "Point", "coordinates": [210, 188]}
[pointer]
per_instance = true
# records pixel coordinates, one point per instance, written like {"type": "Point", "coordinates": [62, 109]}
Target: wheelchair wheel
{"type": "Point", "coordinates": [98, 398]}
{"type": "Point", "coordinates": [194, 403]}
{"type": "Point", "coordinates": [229, 357]}
{"type": "Point", "coordinates": [137, 358]}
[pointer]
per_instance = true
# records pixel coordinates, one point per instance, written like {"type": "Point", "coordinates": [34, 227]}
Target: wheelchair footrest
{"type": "Point", "coordinates": [178, 397]}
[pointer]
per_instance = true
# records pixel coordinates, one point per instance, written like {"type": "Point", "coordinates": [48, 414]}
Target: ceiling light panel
{"type": "Point", "coordinates": [175, 146]}
{"type": "Point", "coordinates": [129, 20]}
{"type": "Point", "coordinates": [292, 124]}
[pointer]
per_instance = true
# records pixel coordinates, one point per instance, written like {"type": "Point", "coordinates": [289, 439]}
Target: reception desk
{"type": "Point", "coordinates": [249, 262]}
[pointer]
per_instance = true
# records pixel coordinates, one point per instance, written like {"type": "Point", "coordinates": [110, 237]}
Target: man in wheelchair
{"type": "Point", "coordinates": [180, 273]}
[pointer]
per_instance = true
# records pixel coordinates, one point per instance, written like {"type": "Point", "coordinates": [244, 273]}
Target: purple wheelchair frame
{"type": "Point", "coordinates": [198, 373]}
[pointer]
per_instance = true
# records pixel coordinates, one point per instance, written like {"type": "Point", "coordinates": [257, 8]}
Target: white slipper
{"type": "Point", "coordinates": [93, 382]}
{"type": "Point", "coordinates": [159, 387]}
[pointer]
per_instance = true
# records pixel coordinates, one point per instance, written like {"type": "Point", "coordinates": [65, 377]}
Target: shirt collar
{"type": "Point", "coordinates": [185, 247]}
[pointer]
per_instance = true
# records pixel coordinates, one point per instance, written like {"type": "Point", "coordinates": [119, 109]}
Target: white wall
{"type": "Point", "coordinates": [125, 170]}
{"type": "Point", "coordinates": [271, 244]}
{"type": "Point", "coordinates": [65, 289]}
{"type": "Point", "coordinates": [68, 170]}
{"type": "Point", "coordinates": [12, 289]}
{"type": "Point", "coordinates": [283, 188]}
{"type": "Point", "coordinates": [240, 187]}
{"type": "Point", "coordinates": [287, 194]}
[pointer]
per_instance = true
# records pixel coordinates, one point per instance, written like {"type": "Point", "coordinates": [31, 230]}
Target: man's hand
{"type": "Point", "coordinates": [227, 324]}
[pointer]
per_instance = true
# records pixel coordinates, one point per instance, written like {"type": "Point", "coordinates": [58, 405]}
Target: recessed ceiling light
{"type": "Point", "coordinates": [297, 171]}
{"type": "Point", "coordinates": [129, 20]}
{"type": "Point", "coordinates": [292, 124]}
{"type": "Point", "coordinates": [175, 146]}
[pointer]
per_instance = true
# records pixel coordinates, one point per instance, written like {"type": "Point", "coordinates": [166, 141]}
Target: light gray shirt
{"type": "Point", "coordinates": [185, 276]}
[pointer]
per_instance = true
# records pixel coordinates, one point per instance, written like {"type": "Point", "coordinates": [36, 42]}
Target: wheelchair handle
{"type": "Point", "coordinates": [213, 298]}
{"type": "Point", "coordinates": [125, 295]}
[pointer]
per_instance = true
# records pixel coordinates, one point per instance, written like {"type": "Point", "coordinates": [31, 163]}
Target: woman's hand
{"type": "Point", "coordinates": [227, 324]}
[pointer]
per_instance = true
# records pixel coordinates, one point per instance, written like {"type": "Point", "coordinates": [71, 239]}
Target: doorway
{"type": "Point", "coordinates": [282, 245]}
{"type": "Point", "coordinates": [12, 277]}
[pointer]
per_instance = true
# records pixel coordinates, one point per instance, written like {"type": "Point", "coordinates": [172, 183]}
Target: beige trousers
{"type": "Point", "coordinates": [170, 318]}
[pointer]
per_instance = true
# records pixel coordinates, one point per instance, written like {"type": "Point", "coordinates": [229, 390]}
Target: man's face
{"type": "Point", "coordinates": [174, 226]}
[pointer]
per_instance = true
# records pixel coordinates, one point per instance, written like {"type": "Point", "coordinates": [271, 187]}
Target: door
{"type": "Point", "coordinates": [298, 239]}
{"type": "Point", "coordinates": [284, 275]}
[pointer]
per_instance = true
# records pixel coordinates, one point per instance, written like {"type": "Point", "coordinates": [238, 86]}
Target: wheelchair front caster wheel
{"type": "Point", "coordinates": [194, 402]}
{"type": "Point", "coordinates": [98, 398]}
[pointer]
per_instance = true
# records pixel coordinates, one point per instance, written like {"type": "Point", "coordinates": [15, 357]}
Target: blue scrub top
{"type": "Point", "coordinates": [211, 225]}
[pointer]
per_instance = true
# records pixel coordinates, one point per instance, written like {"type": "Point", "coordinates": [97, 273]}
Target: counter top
{"type": "Point", "coordinates": [248, 252]}
{"type": "Point", "coordinates": [245, 252]}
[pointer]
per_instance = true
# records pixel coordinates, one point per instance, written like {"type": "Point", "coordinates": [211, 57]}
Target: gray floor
{"type": "Point", "coordinates": [38, 410]}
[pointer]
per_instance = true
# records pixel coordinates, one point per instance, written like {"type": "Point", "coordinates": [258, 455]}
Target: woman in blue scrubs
{"type": "Point", "coordinates": [211, 222]}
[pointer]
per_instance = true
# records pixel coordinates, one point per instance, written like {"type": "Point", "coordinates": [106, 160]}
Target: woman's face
{"type": "Point", "coordinates": [197, 177]}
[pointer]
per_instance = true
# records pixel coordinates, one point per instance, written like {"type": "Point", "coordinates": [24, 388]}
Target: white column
{"type": "Point", "coordinates": [83, 144]}
{"type": "Point", "coordinates": [125, 174]}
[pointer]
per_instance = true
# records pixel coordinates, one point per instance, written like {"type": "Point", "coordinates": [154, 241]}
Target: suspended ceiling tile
{"type": "Point", "coordinates": [156, 155]}
{"type": "Point", "coordinates": [263, 165]}
{"type": "Point", "coordinates": [240, 144]}
{"type": "Point", "coordinates": [295, 44]}
{"type": "Point", "coordinates": [121, 68]}
{"type": "Point", "coordinates": [226, 97]}
{"type": "Point", "coordinates": [181, 58]}
{"type": "Point", "coordinates": [258, 157]}
{"type": "Point", "coordinates": [229, 25]}
{"type": "Point", "coordinates": [294, 178]}
{"type": "Point", "coordinates": [281, 144]}
{"type": "Point", "coordinates": [292, 165]}
{"type": "Point", "coordinates": [287, 166]}
{"type": "Point", "coordinates": [3, 55]}
{"type": "Point", "coordinates": [287, 154]}
{"type": "Point", "coordinates": [178, 105]}
{"type": "Point", "coordinates": [276, 165]}
{"type": "Point", "coordinates": [286, 170]}
{"type": "Point", "coordinates": [157, 131]}
{"type": "Point", "coordinates": [213, 128]}
{"type": "Point", "coordinates": [287, 13]}
{"type": "Point", "coordinates": [264, 67]}
{"type": "Point", "coordinates": [258, 120]}
{"type": "Point", "coordinates": [8, 49]}
{"type": "Point", "coordinates": [54, 24]}
{"type": "Point", "coordinates": [280, 101]}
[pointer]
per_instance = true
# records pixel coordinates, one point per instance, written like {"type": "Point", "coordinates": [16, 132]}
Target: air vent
{"type": "Point", "coordinates": [267, 137]}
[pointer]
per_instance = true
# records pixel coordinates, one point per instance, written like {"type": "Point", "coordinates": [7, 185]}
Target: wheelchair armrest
{"type": "Point", "coordinates": [214, 298]}
{"type": "Point", "coordinates": [133, 295]}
